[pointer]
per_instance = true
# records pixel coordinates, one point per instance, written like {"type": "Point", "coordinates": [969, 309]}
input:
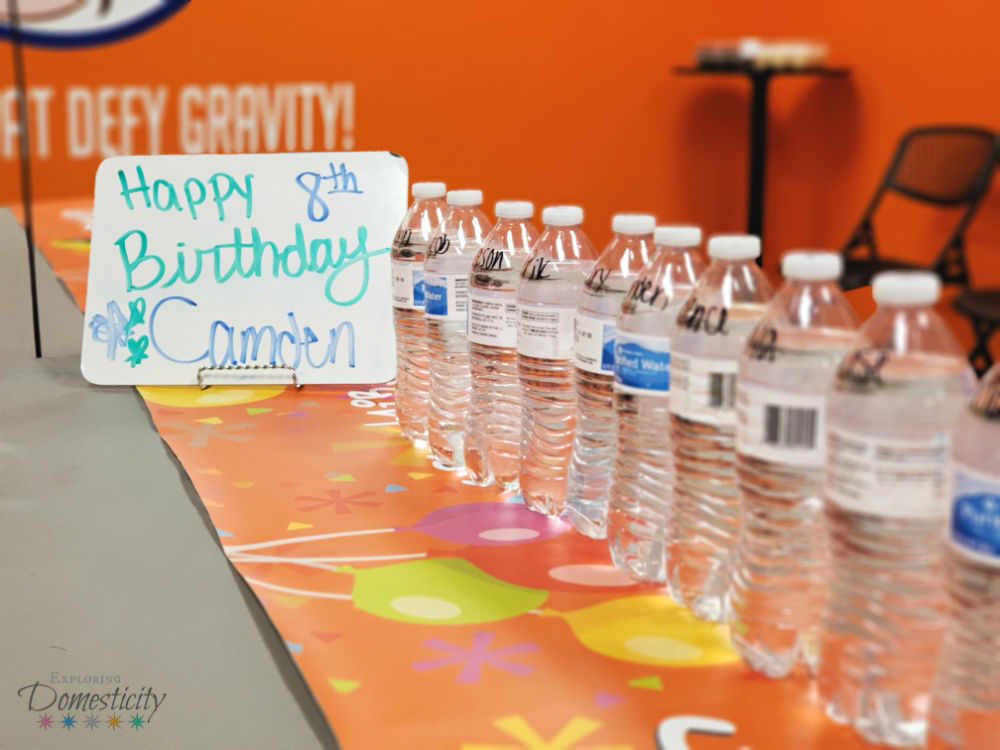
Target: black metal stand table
{"type": "Point", "coordinates": [759, 80]}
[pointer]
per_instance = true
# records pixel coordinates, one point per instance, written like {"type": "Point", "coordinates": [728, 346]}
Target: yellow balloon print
{"type": "Point", "coordinates": [439, 591]}
{"type": "Point", "coordinates": [649, 629]}
{"type": "Point", "coordinates": [192, 395]}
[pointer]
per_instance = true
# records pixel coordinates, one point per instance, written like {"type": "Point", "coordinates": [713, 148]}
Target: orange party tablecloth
{"type": "Point", "coordinates": [427, 613]}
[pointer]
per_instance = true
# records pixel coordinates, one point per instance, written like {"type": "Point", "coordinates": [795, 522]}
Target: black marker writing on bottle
{"type": "Point", "coordinates": [640, 292]}
{"type": "Point", "coordinates": [536, 270]}
{"type": "Point", "coordinates": [763, 344]}
{"type": "Point", "coordinates": [403, 236]}
{"type": "Point", "coordinates": [440, 246]}
{"type": "Point", "coordinates": [598, 278]}
{"type": "Point", "coordinates": [864, 366]}
{"type": "Point", "coordinates": [711, 320]}
{"type": "Point", "coordinates": [492, 259]}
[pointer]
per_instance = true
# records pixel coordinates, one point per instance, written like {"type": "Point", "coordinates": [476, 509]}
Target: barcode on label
{"type": "Point", "coordinates": [721, 390]}
{"type": "Point", "coordinates": [788, 426]}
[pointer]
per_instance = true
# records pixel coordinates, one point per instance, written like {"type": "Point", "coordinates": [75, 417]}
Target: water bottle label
{"type": "Point", "coordinates": [493, 319]}
{"type": "Point", "coordinates": [975, 515]}
{"type": "Point", "coordinates": [889, 476]}
{"type": "Point", "coordinates": [446, 296]}
{"type": "Point", "coordinates": [779, 426]}
{"type": "Point", "coordinates": [703, 389]}
{"type": "Point", "coordinates": [594, 343]}
{"type": "Point", "coordinates": [407, 285]}
{"type": "Point", "coordinates": [545, 331]}
{"type": "Point", "coordinates": [642, 363]}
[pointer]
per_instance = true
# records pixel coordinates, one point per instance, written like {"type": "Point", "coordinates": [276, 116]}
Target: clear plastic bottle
{"type": "Point", "coordinates": [712, 329]}
{"type": "Point", "coordinates": [779, 572]}
{"type": "Point", "coordinates": [547, 295]}
{"type": "Point", "coordinates": [890, 419]}
{"type": "Point", "coordinates": [409, 248]}
{"type": "Point", "coordinates": [643, 480]}
{"type": "Point", "coordinates": [965, 704]}
{"type": "Point", "coordinates": [446, 306]}
{"type": "Point", "coordinates": [592, 460]}
{"type": "Point", "coordinates": [493, 427]}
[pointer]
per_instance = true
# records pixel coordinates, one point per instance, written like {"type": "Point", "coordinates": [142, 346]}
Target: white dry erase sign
{"type": "Point", "coordinates": [261, 260]}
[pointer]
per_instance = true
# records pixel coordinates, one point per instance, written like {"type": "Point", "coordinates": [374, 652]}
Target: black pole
{"type": "Point", "coordinates": [24, 159]}
{"type": "Point", "coordinates": [759, 81]}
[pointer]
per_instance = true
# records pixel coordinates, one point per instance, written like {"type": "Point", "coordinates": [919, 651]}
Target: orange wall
{"type": "Point", "coordinates": [563, 101]}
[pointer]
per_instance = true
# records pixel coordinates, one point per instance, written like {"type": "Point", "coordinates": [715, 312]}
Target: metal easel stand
{"type": "Point", "coordinates": [243, 374]}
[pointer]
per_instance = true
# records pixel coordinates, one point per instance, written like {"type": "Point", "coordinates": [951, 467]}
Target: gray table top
{"type": "Point", "coordinates": [117, 598]}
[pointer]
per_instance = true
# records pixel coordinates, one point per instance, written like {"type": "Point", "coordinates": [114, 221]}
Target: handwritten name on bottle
{"type": "Point", "coordinates": [708, 319]}
{"type": "Point", "coordinates": [645, 292]}
{"type": "Point", "coordinates": [403, 237]}
{"type": "Point", "coordinates": [598, 279]}
{"type": "Point", "coordinates": [492, 259]}
{"type": "Point", "coordinates": [440, 246]}
{"type": "Point", "coordinates": [536, 270]}
{"type": "Point", "coordinates": [864, 367]}
{"type": "Point", "coordinates": [763, 344]}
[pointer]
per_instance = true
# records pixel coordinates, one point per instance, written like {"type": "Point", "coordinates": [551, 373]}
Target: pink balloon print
{"type": "Point", "coordinates": [487, 524]}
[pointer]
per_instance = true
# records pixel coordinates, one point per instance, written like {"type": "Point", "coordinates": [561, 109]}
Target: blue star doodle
{"type": "Point", "coordinates": [115, 330]}
{"type": "Point", "coordinates": [92, 722]}
{"type": "Point", "coordinates": [69, 722]}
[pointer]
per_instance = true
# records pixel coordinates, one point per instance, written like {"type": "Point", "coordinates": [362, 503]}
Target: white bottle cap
{"type": "Point", "coordinates": [427, 189]}
{"type": "Point", "coordinates": [562, 216]}
{"type": "Point", "coordinates": [678, 235]}
{"type": "Point", "coordinates": [906, 288]}
{"type": "Point", "coordinates": [633, 223]}
{"type": "Point", "coordinates": [812, 265]}
{"type": "Point", "coordinates": [514, 209]}
{"type": "Point", "coordinates": [734, 247]}
{"type": "Point", "coordinates": [465, 197]}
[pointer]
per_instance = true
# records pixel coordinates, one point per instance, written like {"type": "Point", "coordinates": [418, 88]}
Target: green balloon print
{"type": "Point", "coordinates": [439, 591]}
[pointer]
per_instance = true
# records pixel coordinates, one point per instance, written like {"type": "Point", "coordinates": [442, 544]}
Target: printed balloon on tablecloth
{"type": "Point", "coordinates": [649, 629]}
{"type": "Point", "coordinates": [570, 562]}
{"type": "Point", "coordinates": [487, 524]}
{"type": "Point", "coordinates": [440, 591]}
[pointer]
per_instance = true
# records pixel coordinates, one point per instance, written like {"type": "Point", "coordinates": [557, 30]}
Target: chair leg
{"type": "Point", "coordinates": [980, 357]}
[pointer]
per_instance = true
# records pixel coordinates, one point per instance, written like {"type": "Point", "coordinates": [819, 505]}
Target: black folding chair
{"type": "Point", "coordinates": [982, 308]}
{"type": "Point", "coordinates": [942, 165]}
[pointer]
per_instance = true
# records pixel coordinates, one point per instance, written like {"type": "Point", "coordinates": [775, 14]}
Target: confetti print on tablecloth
{"type": "Point", "coordinates": [200, 433]}
{"type": "Point", "coordinates": [567, 738]}
{"type": "Point", "coordinates": [475, 657]}
{"type": "Point", "coordinates": [336, 502]}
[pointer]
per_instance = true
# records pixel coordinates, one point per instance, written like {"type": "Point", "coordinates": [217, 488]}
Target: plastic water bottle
{"type": "Point", "coordinates": [890, 420]}
{"type": "Point", "coordinates": [965, 707]}
{"type": "Point", "coordinates": [642, 485]}
{"type": "Point", "coordinates": [547, 295]}
{"type": "Point", "coordinates": [712, 329]}
{"type": "Point", "coordinates": [592, 460]}
{"type": "Point", "coordinates": [446, 306]}
{"type": "Point", "coordinates": [493, 427]}
{"type": "Point", "coordinates": [409, 248]}
{"type": "Point", "coordinates": [780, 570]}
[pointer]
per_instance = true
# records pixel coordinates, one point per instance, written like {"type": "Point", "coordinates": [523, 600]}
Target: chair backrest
{"type": "Point", "coordinates": [945, 165]}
